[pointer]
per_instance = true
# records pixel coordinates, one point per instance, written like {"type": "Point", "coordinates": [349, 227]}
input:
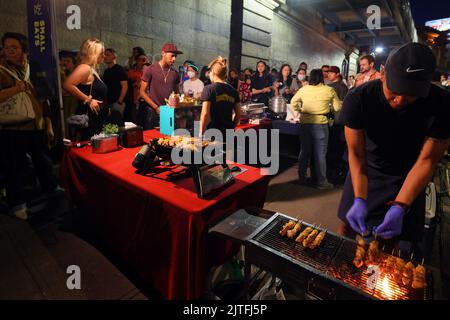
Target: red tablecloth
{"type": "Point", "coordinates": [156, 227]}
{"type": "Point", "coordinates": [264, 124]}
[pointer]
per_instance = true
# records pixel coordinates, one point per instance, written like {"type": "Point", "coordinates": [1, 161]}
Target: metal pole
{"type": "Point", "coordinates": [58, 69]}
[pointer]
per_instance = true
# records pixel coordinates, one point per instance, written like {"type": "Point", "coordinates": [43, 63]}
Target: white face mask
{"type": "Point", "coordinates": [191, 74]}
{"type": "Point", "coordinates": [301, 77]}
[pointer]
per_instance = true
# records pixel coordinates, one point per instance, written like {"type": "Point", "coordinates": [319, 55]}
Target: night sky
{"type": "Point", "coordinates": [425, 10]}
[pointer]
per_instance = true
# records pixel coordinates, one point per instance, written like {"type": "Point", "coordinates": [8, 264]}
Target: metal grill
{"type": "Point", "coordinates": [319, 258]}
{"type": "Point", "coordinates": [332, 261]}
{"type": "Point", "coordinates": [386, 287]}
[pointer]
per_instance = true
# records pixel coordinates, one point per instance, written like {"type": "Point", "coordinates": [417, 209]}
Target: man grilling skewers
{"type": "Point", "coordinates": [397, 129]}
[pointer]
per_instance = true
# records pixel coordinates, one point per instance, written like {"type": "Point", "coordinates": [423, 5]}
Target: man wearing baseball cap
{"type": "Point", "coordinates": [397, 129]}
{"type": "Point", "coordinates": [162, 80]}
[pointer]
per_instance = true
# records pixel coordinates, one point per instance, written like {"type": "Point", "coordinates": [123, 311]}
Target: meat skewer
{"type": "Point", "coordinates": [318, 240]}
{"type": "Point", "coordinates": [304, 234]}
{"type": "Point", "coordinates": [360, 253]}
{"type": "Point", "coordinates": [419, 277]}
{"type": "Point", "coordinates": [286, 227]}
{"type": "Point", "coordinates": [407, 275]}
{"type": "Point", "coordinates": [291, 233]}
{"type": "Point", "coordinates": [310, 238]}
{"type": "Point", "coordinates": [390, 263]}
{"type": "Point", "coordinates": [398, 268]}
{"type": "Point", "coordinates": [373, 253]}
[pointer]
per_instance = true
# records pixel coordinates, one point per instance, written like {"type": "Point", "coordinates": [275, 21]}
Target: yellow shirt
{"type": "Point", "coordinates": [313, 103]}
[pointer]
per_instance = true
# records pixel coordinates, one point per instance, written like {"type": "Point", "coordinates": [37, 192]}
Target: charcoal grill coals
{"type": "Point", "coordinates": [333, 259]}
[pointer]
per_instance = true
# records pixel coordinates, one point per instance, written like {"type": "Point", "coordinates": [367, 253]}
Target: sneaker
{"type": "Point", "coordinates": [324, 186]}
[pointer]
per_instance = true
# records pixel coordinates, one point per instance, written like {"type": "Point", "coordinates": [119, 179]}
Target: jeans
{"type": "Point", "coordinates": [336, 166]}
{"type": "Point", "coordinates": [314, 143]}
{"type": "Point", "coordinates": [16, 145]}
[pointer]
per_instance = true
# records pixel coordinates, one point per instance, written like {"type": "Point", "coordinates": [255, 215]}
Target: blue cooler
{"type": "Point", "coordinates": [171, 118]}
{"type": "Point", "coordinates": [166, 120]}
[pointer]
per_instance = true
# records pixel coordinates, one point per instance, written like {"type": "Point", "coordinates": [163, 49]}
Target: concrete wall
{"type": "Point", "coordinates": [200, 28]}
{"type": "Point", "coordinates": [294, 43]}
{"type": "Point", "coordinates": [13, 16]}
{"type": "Point", "coordinates": [288, 35]}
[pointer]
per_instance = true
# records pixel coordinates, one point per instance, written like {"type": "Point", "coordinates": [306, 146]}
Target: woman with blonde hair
{"type": "Point", "coordinates": [85, 85]}
{"type": "Point", "coordinates": [220, 100]}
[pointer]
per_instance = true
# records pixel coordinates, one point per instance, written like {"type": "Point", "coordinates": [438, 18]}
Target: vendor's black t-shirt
{"type": "Point", "coordinates": [223, 97]}
{"type": "Point", "coordinates": [112, 78]}
{"type": "Point", "coordinates": [260, 83]}
{"type": "Point", "coordinates": [394, 138]}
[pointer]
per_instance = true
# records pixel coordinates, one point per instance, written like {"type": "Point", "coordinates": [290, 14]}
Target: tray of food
{"type": "Point", "coordinates": [166, 144]}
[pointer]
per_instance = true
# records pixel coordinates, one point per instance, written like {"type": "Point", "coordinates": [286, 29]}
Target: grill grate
{"type": "Point", "coordinates": [319, 258]}
{"type": "Point", "coordinates": [334, 259]}
{"type": "Point", "coordinates": [386, 288]}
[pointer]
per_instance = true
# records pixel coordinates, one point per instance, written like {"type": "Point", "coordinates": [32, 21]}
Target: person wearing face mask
{"type": "Point", "coordinates": [302, 79]}
{"type": "Point", "coordinates": [183, 70]}
{"type": "Point", "coordinates": [397, 129]}
{"type": "Point", "coordinates": [193, 86]}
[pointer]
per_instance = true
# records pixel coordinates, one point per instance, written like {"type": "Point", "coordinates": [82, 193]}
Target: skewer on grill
{"type": "Point", "coordinates": [318, 240]}
{"type": "Point", "coordinates": [407, 276]}
{"type": "Point", "coordinates": [398, 267]}
{"type": "Point", "coordinates": [373, 253]}
{"type": "Point", "coordinates": [286, 227]}
{"type": "Point", "coordinates": [360, 253]}
{"type": "Point", "coordinates": [390, 262]}
{"type": "Point", "coordinates": [310, 238]}
{"type": "Point", "coordinates": [304, 234]}
{"type": "Point", "coordinates": [419, 277]}
{"type": "Point", "coordinates": [293, 232]}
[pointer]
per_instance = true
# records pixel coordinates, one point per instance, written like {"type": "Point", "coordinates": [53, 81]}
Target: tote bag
{"type": "Point", "coordinates": [18, 109]}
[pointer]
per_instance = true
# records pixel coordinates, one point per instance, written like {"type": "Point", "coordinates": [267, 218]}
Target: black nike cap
{"type": "Point", "coordinates": [409, 70]}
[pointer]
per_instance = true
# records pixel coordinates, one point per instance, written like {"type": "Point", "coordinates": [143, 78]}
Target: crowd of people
{"type": "Point", "coordinates": [135, 92]}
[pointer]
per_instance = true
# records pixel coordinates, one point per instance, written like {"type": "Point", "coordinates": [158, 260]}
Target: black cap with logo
{"type": "Point", "coordinates": [409, 70]}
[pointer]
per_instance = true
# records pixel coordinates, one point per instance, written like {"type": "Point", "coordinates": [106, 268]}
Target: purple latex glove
{"type": "Point", "coordinates": [357, 215]}
{"type": "Point", "coordinates": [392, 224]}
